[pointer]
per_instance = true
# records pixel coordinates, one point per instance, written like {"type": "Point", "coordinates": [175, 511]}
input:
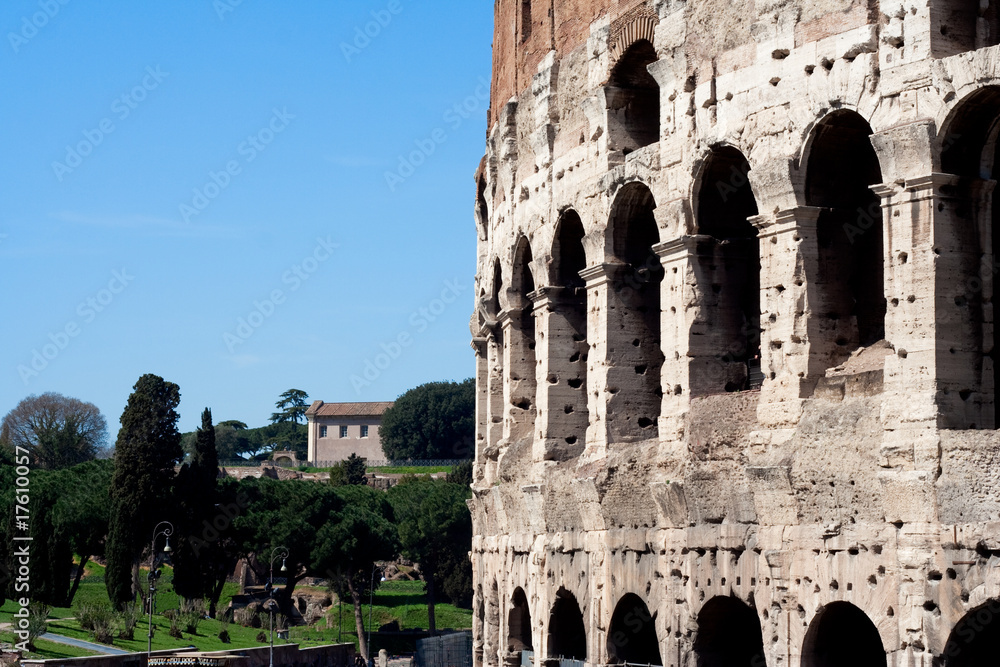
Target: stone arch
{"type": "Point", "coordinates": [519, 623]}
{"type": "Point", "coordinates": [842, 634]}
{"type": "Point", "coordinates": [567, 348]}
{"type": "Point", "coordinates": [521, 344]}
{"type": "Point", "coordinates": [635, 358]}
{"type": "Point", "coordinates": [632, 633]}
{"type": "Point", "coordinates": [845, 283]}
{"type": "Point", "coordinates": [633, 100]}
{"type": "Point", "coordinates": [969, 224]}
{"type": "Point", "coordinates": [728, 272]}
{"type": "Point", "coordinates": [975, 640]}
{"type": "Point", "coordinates": [567, 631]}
{"type": "Point", "coordinates": [729, 634]}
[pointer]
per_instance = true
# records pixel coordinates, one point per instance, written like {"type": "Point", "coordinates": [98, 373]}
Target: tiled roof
{"type": "Point", "coordinates": [321, 409]}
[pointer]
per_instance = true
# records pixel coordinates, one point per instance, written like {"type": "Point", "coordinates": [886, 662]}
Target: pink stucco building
{"type": "Point", "coordinates": [337, 430]}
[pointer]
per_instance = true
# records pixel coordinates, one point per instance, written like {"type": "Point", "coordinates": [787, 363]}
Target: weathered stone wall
{"type": "Point", "coordinates": [697, 476]}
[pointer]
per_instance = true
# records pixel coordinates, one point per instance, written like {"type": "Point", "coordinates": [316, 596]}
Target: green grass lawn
{"type": "Point", "coordinates": [402, 601]}
{"type": "Point", "coordinates": [48, 650]}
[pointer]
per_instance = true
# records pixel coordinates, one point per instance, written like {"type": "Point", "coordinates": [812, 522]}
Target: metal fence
{"type": "Point", "coordinates": [372, 463]}
{"type": "Point", "coordinates": [453, 650]}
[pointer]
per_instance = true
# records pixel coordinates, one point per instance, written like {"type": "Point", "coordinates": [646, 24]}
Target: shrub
{"type": "Point", "coordinates": [192, 611]}
{"type": "Point", "coordinates": [125, 621]}
{"type": "Point", "coordinates": [90, 616]}
{"type": "Point", "coordinates": [37, 613]}
{"type": "Point", "coordinates": [247, 617]}
{"type": "Point", "coordinates": [261, 637]}
{"type": "Point", "coordinates": [224, 636]}
{"type": "Point", "coordinates": [175, 628]}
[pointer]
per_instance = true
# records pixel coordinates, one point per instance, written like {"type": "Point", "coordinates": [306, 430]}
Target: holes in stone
{"type": "Point", "coordinates": [964, 394]}
{"type": "Point", "coordinates": [636, 341]}
{"type": "Point", "coordinates": [571, 440]}
{"type": "Point", "coordinates": [523, 404]}
{"type": "Point", "coordinates": [574, 357]}
{"type": "Point", "coordinates": [850, 586]}
{"type": "Point", "coordinates": [890, 612]}
{"type": "Point", "coordinates": [873, 581]}
{"type": "Point", "coordinates": [929, 605]}
{"type": "Point", "coordinates": [903, 257]}
{"type": "Point", "coordinates": [827, 64]}
{"type": "Point", "coordinates": [934, 575]}
{"type": "Point", "coordinates": [753, 581]}
{"type": "Point", "coordinates": [877, 549]}
{"type": "Point", "coordinates": [772, 318]}
{"type": "Point", "coordinates": [841, 342]}
{"type": "Point", "coordinates": [677, 390]}
{"type": "Point", "coordinates": [960, 301]}
{"type": "Point", "coordinates": [854, 551]}
{"type": "Point", "coordinates": [553, 379]}
{"type": "Point", "coordinates": [834, 585]}
{"type": "Point", "coordinates": [568, 409]}
{"type": "Point", "coordinates": [575, 383]}
{"type": "Point", "coordinates": [895, 302]}
{"type": "Point", "coordinates": [952, 574]}
{"type": "Point", "coordinates": [645, 422]}
{"type": "Point", "coordinates": [640, 369]}
{"type": "Point", "coordinates": [716, 289]}
{"type": "Point", "coordinates": [881, 570]}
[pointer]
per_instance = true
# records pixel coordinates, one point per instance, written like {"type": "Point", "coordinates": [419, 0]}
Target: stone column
{"type": "Point", "coordinates": [479, 345]}
{"type": "Point", "coordinates": [561, 378]}
{"type": "Point", "coordinates": [598, 305]}
{"type": "Point", "coordinates": [792, 357]}
{"type": "Point", "coordinates": [678, 295]}
{"type": "Point", "coordinates": [494, 398]}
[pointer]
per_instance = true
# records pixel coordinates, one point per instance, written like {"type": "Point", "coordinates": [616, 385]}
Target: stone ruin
{"type": "Point", "coordinates": [734, 335]}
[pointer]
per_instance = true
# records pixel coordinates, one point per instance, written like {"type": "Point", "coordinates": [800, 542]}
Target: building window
{"type": "Point", "coordinates": [364, 431]}
{"type": "Point", "coordinates": [322, 431]}
{"type": "Point", "coordinates": [343, 431]}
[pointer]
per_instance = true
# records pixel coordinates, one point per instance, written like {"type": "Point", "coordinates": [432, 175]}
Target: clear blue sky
{"type": "Point", "coordinates": [217, 149]}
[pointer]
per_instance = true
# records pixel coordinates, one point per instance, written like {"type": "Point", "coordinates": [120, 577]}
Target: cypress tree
{"type": "Point", "coordinates": [197, 494]}
{"type": "Point", "coordinates": [148, 448]}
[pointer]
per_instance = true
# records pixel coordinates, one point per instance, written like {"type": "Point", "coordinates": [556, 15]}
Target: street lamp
{"type": "Point", "coordinates": [371, 597]}
{"type": "Point", "coordinates": [154, 574]}
{"type": "Point", "coordinates": [276, 553]}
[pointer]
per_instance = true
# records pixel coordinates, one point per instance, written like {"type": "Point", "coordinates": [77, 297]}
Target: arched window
{"type": "Point", "coordinates": [847, 292]}
{"type": "Point", "coordinates": [966, 266]}
{"type": "Point", "coordinates": [567, 632]}
{"type": "Point", "coordinates": [976, 638]}
{"type": "Point", "coordinates": [634, 355]}
{"type": "Point", "coordinates": [567, 343]}
{"type": "Point", "coordinates": [632, 633]}
{"type": "Point", "coordinates": [842, 634]}
{"type": "Point", "coordinates": [729, 635]}
{"type": "Point", "coordinates": [522, 345]}
{"type": "Point", "coordinates": [633, 100]}
{"type": "Point", "coordinates": [728, 271]}
{"type": "Point", "coordinates": [519, 623]}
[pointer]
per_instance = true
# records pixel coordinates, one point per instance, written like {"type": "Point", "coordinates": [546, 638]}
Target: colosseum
{"type": "Point", "coordinates": [734, 335]}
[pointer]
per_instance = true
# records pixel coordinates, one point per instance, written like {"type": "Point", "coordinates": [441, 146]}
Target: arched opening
{"type": "Point", "coordinates": [519, 623]}
{"type": "Point", "coordinates": [634, 355]}
{"type": "Point", "coordinates": [522, 361]}
{"type": "Point", "coordinates": [495, 359]}
{"type": "Point", "coordinates": [842, 634]}
{"type": "Point", "coordinates": [566, 375]}
{"type": "Point", "coordinates": [633, 100]}
{"type": "Point", "coordinates": [846, 288]}
{"type": "Point", "coordinates": [728, 275]}
{"type": "Point", "coordinates": [729, 635]}
{"type": "Point", "coordinates": [632, 634]}
{"type": "Point", "coordinates": [958, 26]}
{"type": "Point", "coordinates": [567, 632]}
{"type": "Point", "coordinates": [975, 640]}
{"type": "Point", "coordinates": [968, 336]}
{"type": "Point", "coordinates": [482, 210]}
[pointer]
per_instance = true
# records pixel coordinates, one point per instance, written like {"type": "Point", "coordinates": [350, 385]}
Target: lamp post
{"type": "Point", "coordinates": [282, 553]}
{"type": "Point", "coordinates": [371, 598]}
{"type": "Point", "coordinates": [154, 574]}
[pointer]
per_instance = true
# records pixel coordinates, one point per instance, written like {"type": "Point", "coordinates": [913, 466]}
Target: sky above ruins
{"type": "Point", "coordinates": [242, 196]}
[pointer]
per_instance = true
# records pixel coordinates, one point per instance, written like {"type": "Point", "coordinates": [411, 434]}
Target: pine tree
{"type": "Point", "coordinates": [148, 448]}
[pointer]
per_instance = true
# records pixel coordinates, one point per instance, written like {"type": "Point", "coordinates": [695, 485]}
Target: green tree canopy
{"type": "Point", "coordinates": [57, 431]}
{"type": "Point", "coordinates": [291, 406]}
{"type": "Point", "coordinates": [352, 470]}
{"type": "Point", "coordinates": [435, 529]}
{"type": "Point", "coordinates": [148, 448]}
{"type": "Point", "coordinates": [433, 421]}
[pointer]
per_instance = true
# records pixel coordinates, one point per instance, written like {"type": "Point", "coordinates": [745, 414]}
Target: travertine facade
{"type": "Point", "coordinates": [734, 334]}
